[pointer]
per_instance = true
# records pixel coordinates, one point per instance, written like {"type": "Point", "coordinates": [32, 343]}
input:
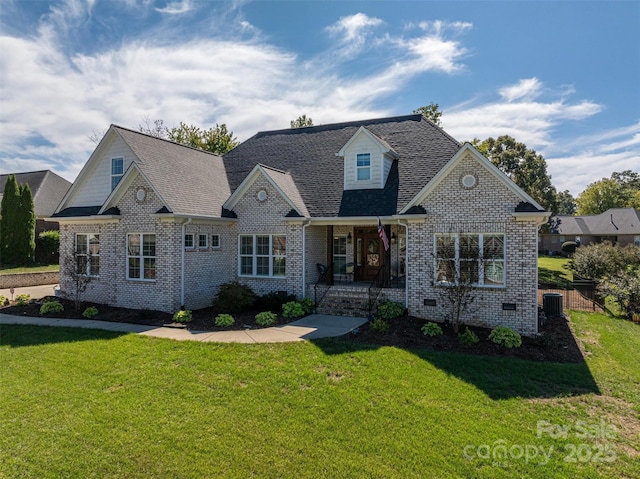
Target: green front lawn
{"type": "Point", "coordinates": [83, 403]}
{"type": "Point", "coordinates": [31, 268]}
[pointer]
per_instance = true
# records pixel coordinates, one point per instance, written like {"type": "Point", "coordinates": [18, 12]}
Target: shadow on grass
{"type": "Point", "coordinates": [551, 277]}
{"type": "Point", "coordinates": [559, 368]}
{"type": "Point", "coordinates": [20, 335]}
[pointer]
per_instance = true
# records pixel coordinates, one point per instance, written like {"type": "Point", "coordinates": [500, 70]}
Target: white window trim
{"type": "Point", "coordinates": [88, 255]}
{"type": "Point", "coordinates": [193, 241]}
{"type": "Point", "coordinates": [370, 167]}
{"type": "Point", "coordinates": [141, 257]}
{"type": "Point", "coordinates": [481, 236]}
{"type": "Point", "coordinates": [213, 245]}
{"type": "Point", "coordinates": [254, 256]}
{"type": "Point", "coordinates": [119, 176]}
{"type": "Point", "coordinates": [206, 241]}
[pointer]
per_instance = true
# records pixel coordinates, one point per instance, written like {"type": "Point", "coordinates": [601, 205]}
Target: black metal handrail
{"type": "Point", "coordinates": [375, 287]}
{"type": "Point", "coordinates": [324, 273]}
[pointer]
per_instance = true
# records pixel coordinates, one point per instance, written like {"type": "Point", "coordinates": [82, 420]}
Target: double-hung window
{"type": "Point", "coordinates": [117, 170]}
{"type": "Point", "coordinates": [141, 256]}
{"type": "Point", "coordinates": [215, 241]}
{"type": "Point", "coordinates": [188, 241]}
{"type": "Point", "coordinates": [477, 259]}
{"type": "Point", "coordinates": [363, 166]}
{"type": "Point", "coordinates": [88, 254]}
{"type": "Point", "coordinates": [339, 254]}
{"type": "Point", "coordinates": [202, 241]}
{"type": "Point", "coordinates": [263, 255]}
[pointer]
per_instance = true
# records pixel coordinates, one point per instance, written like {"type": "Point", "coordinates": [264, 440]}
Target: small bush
{"type": "Point", "coordinates": [307, 305]}
{"type": "Point", "coordinates": [234, 298]}
{"type": "Point", "coordinates": [569, 247]}
{"type": "Point", "coordinates": [51, 307]}
{"type": "Point", "coordinates": [90, 312]}
{"type": "Point", "coordinates": [224, 320]}
{"type": "Point", "coordinates": [379, 325]}
{"type": "Point", "coordinates": [183, 316]}
{"type": "Point", "coordinates": [3, 301]}
{"type": "Point", "coordinates": [468, 338]}
{"type": "Point", "coordinates": [431, 329]}
{"type": "Point", "coordinates": [22, 299]}
{"type": "Point", "coordinates": [266, 318]}
{"type": "Point", "coordinates": [49, 241]}
{"type": "Point", "coordinates": [506, 337]}
{"type": "Point", "coordinates": [292, 310]}
{"type": "Point", "coordinates": [390, 310]}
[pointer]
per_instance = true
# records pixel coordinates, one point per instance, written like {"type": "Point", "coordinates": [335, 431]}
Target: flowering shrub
{"type": "Point", "coordinates": [22, 299]}
{"type": "Point", "coordinates": [224, 320]}
{"type": "Point", "coordinates": [90, 312]}
{"type": "Point", "coordinates": [51, 307]}
{"type": "Point", "coordinates": [3, 301]}
{"type": "Point", "coordinates": [431, 329]}
{"type": "Point", "coordinates": [506, 337]}
{"type": "Point", "coordinates": [183, 316]}
{"type": "Point", "coordinates": [266, 318]}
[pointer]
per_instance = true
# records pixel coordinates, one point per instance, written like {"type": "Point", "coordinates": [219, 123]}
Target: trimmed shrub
{"type": "Point", "coordinates": [506, 337]}
{"type": "Point", "coordinates": [224, 320]}
{"type": "Point", "coordinates": [468, 338]}
{"type": "Point", "coordinates": [3, 301]}
{"type": "Point", "coordinates": [49, 242]}
{"type": "Point", "coordinates": [90, 312]}
{"type": "Point", "coordinates": [379, 325]}
{"type": "Point", "coordinates": [390, 310]}
{"type": "Point", "coordinates": [234, 298]}
{"type": "Point", "coordinates": [22, 299]}
{"type": "Point", "coordinates": [292, 310]}
{"type": "Point", "coordinates": [183, 316]}
{"type": "Point", "coordinates": [266, 318]}
{"type": "Point", "coordinates": [51, 307]}
{"type": "Point", "coordinates": [431, 329]}
{"type": "Point", "coordinates": [307, 305]}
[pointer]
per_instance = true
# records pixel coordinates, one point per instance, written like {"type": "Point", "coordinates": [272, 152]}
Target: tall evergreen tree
{"type": "Point", "coordinates": [9, 222]}
{"type": "Point", "coordinates": [27, 224]}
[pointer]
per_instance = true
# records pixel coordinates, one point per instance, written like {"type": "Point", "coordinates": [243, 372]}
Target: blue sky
{"type": "Point", "coordinates": [562, 77]}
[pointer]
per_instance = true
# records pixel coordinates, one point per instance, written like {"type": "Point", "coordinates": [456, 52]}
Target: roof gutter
{"type": "Point", "coordinates": [181, 243]}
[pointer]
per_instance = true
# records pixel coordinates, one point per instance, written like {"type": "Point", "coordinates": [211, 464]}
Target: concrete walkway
{"type": "Point", "coordinates": [311, 327]}
{"type": "Point", "coordinates": [33, 291]}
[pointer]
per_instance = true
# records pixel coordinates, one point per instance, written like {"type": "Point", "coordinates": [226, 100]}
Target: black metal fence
{"type": "Point", "coordinates": [582, 295]}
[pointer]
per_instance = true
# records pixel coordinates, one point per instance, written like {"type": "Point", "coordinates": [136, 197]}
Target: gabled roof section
{"type": "Point", "coordinates": [308, 155]}
{"type": "Point", "coordinates": [613, 222]}
{"type": "Point", "coordinates": [384, 146]}
{"type": "Point", "coordinates": [188, 180]}
{"type": "Point", "coordinates": [47, 189]}
{"type": "Point", "coordinates": [280, 180]}
{"type": "Point", "coordinates": [123, 185]}
{"type": "Point", "coordinates": [468, 148]}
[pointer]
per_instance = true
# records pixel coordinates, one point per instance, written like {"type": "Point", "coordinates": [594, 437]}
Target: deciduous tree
{"type": "Point", "coordinates": [430, 112]}
{"type": "Point", "coordinates": [301, 122]}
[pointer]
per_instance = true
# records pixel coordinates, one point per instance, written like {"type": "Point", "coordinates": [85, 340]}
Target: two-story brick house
{"type": "Point", "coordinates": [158, 225]}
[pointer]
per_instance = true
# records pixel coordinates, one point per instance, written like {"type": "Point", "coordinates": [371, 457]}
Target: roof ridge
{"type": "Point", "coordinates": [273, 168]}
{"type": "Point", "coordinates": [336, 126]}
{"type": "Point", "coordinates": [165, 140]}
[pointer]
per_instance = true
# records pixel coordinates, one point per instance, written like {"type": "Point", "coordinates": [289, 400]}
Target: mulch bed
{"type": "Point", "coordinates": [556, 343]}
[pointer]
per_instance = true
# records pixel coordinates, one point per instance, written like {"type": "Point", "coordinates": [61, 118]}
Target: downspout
{"type": "Point", "coordinates": [304, 258]}
{"type": "Point", "coordinates": [181, 243]}
{"type": "Point", "coordinates": [406, 266]}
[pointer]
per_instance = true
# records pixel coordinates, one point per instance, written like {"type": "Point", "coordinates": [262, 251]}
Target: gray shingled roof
{"type": "Point", "coordinates": [309, 156]}
{"type": "Point", "coordinates": [48, 189]}
{"type": "Point", "coordinates": [287, 185]}
{"type": "Point", "coordinates": [190, 181]}
{"type": "Point", "coordinates": [613, 222]}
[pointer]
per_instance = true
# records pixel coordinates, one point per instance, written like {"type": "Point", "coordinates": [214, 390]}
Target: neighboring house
{"type": "Point", "coordinates": [620, 226]}
{"type": "Point", "coordinates": [158, 225]}
{"type": "Point", "coordinates": [47, 189]}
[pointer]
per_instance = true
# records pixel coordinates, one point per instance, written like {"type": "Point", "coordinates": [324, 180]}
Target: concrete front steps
{"type": "Point", "coordinates": [345, 301]}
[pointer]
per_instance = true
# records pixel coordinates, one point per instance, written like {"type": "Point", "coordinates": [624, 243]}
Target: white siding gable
{"type": "Point", "coordinates": [364, 143]}
{"type": "Point", "coordinates": [95, 186]}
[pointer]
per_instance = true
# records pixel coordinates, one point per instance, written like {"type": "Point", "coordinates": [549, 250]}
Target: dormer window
{"type": "Point", "coordinates": [117, 170]}
{"type": "Point", "coordinates": [363, 166]}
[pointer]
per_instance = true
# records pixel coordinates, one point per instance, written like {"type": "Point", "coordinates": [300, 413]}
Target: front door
{"type": "Point", "coordinates": [369, 254]}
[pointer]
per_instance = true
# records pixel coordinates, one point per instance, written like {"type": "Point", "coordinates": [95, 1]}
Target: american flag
{"type": "Point", "coordinates": [383, 235]}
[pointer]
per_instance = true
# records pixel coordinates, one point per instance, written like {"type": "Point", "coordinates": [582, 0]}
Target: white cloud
{"type": "Point", "coordinates": [176, 8]}
{"type": "Point", "coordinates": [353, 32]}
{"type": "Point", "coordinates": [527, 89]}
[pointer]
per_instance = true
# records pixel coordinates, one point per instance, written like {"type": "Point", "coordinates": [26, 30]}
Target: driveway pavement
{"type": "Point", "coordinates": [311, 327]}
